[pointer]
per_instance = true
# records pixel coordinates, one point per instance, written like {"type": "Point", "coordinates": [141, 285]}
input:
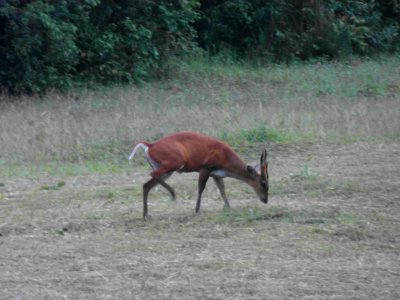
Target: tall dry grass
{"type": "Point", "coordinates": [105, 123]}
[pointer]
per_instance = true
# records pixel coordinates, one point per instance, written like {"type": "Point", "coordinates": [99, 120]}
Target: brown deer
{"type": "Point", "coordinates": [194, 152]}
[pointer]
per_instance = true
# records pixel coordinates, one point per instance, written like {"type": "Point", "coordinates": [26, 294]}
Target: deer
{"type": "Point", "coordinates": [194, 152]}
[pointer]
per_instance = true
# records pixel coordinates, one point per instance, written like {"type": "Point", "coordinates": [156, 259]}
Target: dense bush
{"type": "Point", "coordinates": [46, 44]}
{"type": "Point", "coordinates": [37, 45]}
{"type": "Point", "coordinates": [58, 43]}
{"type": "Point", "coordinates": [283, 30]}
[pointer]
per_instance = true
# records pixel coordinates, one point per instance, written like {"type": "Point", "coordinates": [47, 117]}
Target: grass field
{"type": "Point", "coordinates": [333, 101]}
{"type": "Point", "coordinates": [70, 204]}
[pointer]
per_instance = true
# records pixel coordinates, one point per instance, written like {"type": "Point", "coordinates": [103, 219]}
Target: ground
{"type": "Point", "coordinates": [330, 231]}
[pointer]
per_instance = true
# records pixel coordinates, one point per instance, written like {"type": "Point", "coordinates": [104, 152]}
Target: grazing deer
{"type": "Point", "coordinates": [194, 152]}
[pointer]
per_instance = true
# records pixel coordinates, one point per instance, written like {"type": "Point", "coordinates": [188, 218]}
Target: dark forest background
{"type": "Point", "coordinates": [61, 44]}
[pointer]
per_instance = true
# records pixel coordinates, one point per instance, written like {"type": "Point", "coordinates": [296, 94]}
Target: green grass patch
{"type": "Point", "coordinates": [247, 215]}
{"type": "Point", "coordinates": [53, 187]}
{"type": "Point", "coordinates": [242, 215]}
{"type": "Point", "coordinates": [126, 195]}
{"type": "Point", "coordinates": [344, 79]}
{"type": "Point", "coordinates": [348, 219]}
{"type": "Point", "coordinates": [306, 173]}
{"type": "Point", "coordinates": [313, 217]}
{"type": "Point", "coordinates": [261, 134]}
{"type": "Point", "coordinates": [242, 103]}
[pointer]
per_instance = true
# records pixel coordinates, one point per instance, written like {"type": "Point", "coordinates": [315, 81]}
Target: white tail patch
{"type": "Point", "coordinates": [145, 148]}
{"type": "Point", "coordinates": [140, 145]}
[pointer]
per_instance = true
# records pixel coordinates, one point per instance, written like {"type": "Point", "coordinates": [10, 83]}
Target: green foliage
{"type": "Point", "coordinates": [126, 42]}
{"type": "Point", "coordinates": [52, 44]}
{"type": "Point", "coordinates": [37, 48]}
{"type": "Point", "coordinates": [284, 30]}
{"type": "Point", "coordinates": [57, 44]}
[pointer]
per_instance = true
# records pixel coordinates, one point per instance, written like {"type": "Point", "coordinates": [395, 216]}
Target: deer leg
{"type": "Point", "coordinates": [161, 181]}
{"type": "Point", "coordinates": [159, 176]}
{"type": "Point", "coordinates": [204, 174]}
{"type": "Point", "coordinates": [221, 187]}
{"type": "Point", "coordinates": [146, 189]}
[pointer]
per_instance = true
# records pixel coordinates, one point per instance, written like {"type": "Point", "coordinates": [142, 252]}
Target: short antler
{"type": "Point", "coordinates": [263, 159]}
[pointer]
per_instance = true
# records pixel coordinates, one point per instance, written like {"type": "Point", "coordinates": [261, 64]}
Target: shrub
{"type": "Point", "coordinates": [37, 46]}
{"type": "Point", "coordinates": [59, 43]}
{"type": "Point", "coordinates": [303, 29]}
{"type": "Point", "coordinates": [51, 44]}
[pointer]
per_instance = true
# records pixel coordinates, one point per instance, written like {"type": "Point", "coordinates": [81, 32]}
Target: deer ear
{"type": "Point", "coordinates": [253, 171]}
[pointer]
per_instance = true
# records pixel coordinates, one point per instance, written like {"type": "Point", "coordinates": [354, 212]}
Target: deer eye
{"type": "Point", "coordinates": [264, 184]}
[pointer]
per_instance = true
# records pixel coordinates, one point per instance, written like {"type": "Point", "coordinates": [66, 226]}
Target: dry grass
{"type": "Point", "coordinates": [330, 230]}
{"type": "Point", "coordinates": [328, 233]}
{"type": "Point", "coordinates": [298, 100]}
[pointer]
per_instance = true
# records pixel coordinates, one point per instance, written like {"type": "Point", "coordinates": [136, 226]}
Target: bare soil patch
{"type": "Point", "coordinates": [330, 231]}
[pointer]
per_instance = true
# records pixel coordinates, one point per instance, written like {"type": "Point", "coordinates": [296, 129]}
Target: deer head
{"type": "Point", "coordinates": [260, 181]}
